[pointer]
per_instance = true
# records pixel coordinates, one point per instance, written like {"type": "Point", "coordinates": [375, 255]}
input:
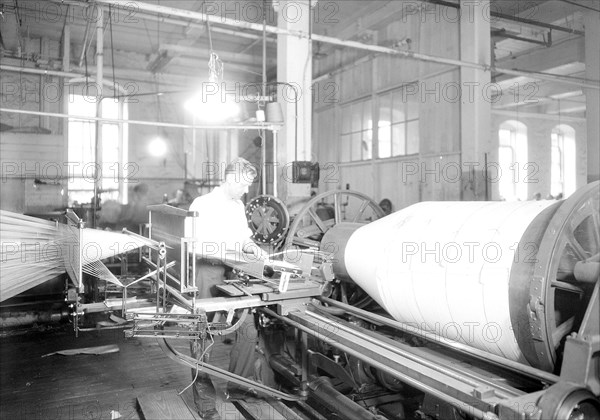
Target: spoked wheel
{"type": "Point", "coordinates": [328, 212]}
{"type": "Point", "coordinates": [559, 294]}
{"type": "Point", "coordinates": [325, 211]}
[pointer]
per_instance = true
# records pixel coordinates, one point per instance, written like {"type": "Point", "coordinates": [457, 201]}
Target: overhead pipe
{"type": "Point", "coordinates": [75, 76]}
{"type": "Point", "coordinates": [265, 126]}
{"type": "Point", "coordinates": [85, 42]}
{"type": "Point", "coordinates": [218, 20]}
{"type": "Point", "coordinates": [177, 22]}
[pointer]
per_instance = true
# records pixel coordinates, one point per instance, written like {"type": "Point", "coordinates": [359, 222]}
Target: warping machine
{"type": "Point", "coordinates": [486, 310]}
{"type": "Point", "coordinates": [442, 310]}
{"type": "Point", "coordinates": [47, 266]}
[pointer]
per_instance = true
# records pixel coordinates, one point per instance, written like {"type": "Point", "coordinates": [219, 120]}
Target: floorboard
{"type": "Point", "coordinates": [95, 387]}
{"type": "Point", "coordinates": [165, 405]}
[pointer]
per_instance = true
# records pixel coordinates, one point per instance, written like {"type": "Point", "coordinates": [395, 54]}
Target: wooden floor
{"type": "Point", "coordinates": [92, 386]}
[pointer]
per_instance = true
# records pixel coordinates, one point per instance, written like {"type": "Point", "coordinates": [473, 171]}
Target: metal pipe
{"type": "Point", "coordinates": [270, 126]}
{"type": "Point", "coordinates": [58, 73]}
{"type": "Point", "coordinates": [327, 395]}
{"type": "Point", "coordinates": [460, 405]}
{"type": "Point", "coordinates": [274, 163]}
{"type": "Point", "coordinates": [223, 374]}
{"type": "Point", "coordinates": [465, 377]}
{"type": "Point", "coordinates": [220, 20]}
{"type": "Point", "coordinates": [497, 360]}
{"type": "Point", "coordinates": [85, 39]}
{"type": "Point", "coordinates": [28, 318]}
{"type": "Point", "coordinates": [178, 22]}
{"type": "Point", "coordinates": [98, 141]}
{"type": "Point", "coordinates": [263, 138]}
{"type": "Point", "coordinates": [280, 365]}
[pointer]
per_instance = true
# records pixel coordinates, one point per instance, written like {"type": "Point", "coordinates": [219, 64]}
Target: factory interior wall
{"type": "Point", "coordinates": [395, 177]}
{"type": "Point", "coordinates": [43, 139]}
{"type": "Point", "coordinates": [539, 151]}
{"type": "Point", "coordinates": [35, 147]}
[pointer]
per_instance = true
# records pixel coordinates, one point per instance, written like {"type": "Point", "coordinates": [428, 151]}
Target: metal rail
{"type": "Point", "coordinates": [350, 346]}
{"type": "Point", "coordinates": [223, 374]}
{"type": "Point", "coordinates": [465, 376]}
{"type": "Point", "coordinates": [481, 355]}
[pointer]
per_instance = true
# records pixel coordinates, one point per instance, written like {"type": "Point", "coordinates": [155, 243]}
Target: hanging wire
{"type": "Point", "coordinates": [212, 342]}
{"type": "Point", "coordinates": [87, 75]}
{"type": "Point", "coordinates": [215, 65]}
{"type": "Point", "coordinates": [112, 53]}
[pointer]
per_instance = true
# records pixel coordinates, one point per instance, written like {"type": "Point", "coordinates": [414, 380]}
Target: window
{"type": "Point", "coordinates": [562, 172]}
{"type": "Point", "coordinates": [82, 152]}
{"type": "Point", "coordinates": [398, 125]}
{"type": "Point", "coordinates": [357, 132]}
{"type": "Point", "coordinates": [512, 161]}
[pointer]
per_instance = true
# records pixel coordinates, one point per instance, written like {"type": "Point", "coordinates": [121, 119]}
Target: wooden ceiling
{"type": "Point", "coordinates": [534, 35]}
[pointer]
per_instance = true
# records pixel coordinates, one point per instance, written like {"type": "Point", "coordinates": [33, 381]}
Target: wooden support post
{"type": "Point", "coordinates": [592, 96]}
{"type": "Point", "coordinates": [475, 107]}
{"type": "Point", "coordinates": [294, 66]}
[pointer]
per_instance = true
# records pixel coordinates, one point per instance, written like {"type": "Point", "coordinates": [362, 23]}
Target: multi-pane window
{"type": "Point", "coordinates": [398, 126]}
{"type": "Point", "coordinates": [562, 170]}
{"type": "Point", "coordinates": [512, 161]}
{"type": "Point", "coordinates": [357, 132]}
{"type": "Point", "coordinates": [84, 170]}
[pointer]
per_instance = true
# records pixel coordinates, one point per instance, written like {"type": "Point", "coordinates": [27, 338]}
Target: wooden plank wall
{"type": "Point", "coordinates": [26, 157]}
{"type": "Point", "coordinates": [439, 118]}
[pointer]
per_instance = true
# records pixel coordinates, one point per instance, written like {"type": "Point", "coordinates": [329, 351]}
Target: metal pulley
{"type": "Point", "coordinates": [268, 219]}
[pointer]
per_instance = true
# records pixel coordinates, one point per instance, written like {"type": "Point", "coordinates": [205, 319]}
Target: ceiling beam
{"type": "Point", "coordinates": [543, 59]}
{"type": "Point", "coordinates": [220, 20]}
{"type": "Point", "coordinates": [204, 53]}
{"type": "Point", "coordinates": [367, 17]}
{"type": "Point", "coordinates": [536, 23]}
{"type": "Point", "coordinates": [533, 94]}
{"type": "Point", "coordinates": [537, 115]}
{"type": "Point", "coordinates": [129, 80]}
{"type": "Point", "coordinates": [576, 71]}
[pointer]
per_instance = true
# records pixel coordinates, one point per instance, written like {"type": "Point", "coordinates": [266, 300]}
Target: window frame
{"type": "Point", "coordinates": [409, 119]}
{"type": "Point", "coordinates": [81, 179]}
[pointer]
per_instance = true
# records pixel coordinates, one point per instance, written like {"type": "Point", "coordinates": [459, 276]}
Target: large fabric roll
{"type": "Point", "coordinates": [445, 267]}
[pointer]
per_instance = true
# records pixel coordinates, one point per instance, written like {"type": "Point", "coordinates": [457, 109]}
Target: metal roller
{"type": "Point", "coordinates": [498, 276]}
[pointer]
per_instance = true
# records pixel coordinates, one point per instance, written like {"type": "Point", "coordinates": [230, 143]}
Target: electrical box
{"type": "Point", "coordinates": [304, 172]}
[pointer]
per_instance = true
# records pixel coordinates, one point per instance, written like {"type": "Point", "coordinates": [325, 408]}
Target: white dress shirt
{"type": "Point", "coordinates": [221, 226]}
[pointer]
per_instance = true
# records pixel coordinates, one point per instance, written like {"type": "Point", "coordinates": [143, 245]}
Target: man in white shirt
{"type": "Point", "coordinates": [222, 229]}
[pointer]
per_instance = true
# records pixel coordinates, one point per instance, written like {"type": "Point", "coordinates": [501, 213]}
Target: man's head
{"type": "Point", "coordinates": [239, 175]}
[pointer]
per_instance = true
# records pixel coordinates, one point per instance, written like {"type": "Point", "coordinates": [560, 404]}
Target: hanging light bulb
{"type": "Point", "coordinates": [212, 108]}
{"type": "Point", "coordinates": [210, 105]}
{"type": "Point", "coordinates": [157, 147]}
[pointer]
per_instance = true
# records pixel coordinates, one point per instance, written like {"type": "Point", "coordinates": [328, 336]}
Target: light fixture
{"type": "Point", "coordinates": [212, 108]}
{"type": "Point", "coordinates": [211, 103]}
{"type": "Point", "coordinates": [274, 112]}
{"type": "Point", "coordinates": [157, 147]}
